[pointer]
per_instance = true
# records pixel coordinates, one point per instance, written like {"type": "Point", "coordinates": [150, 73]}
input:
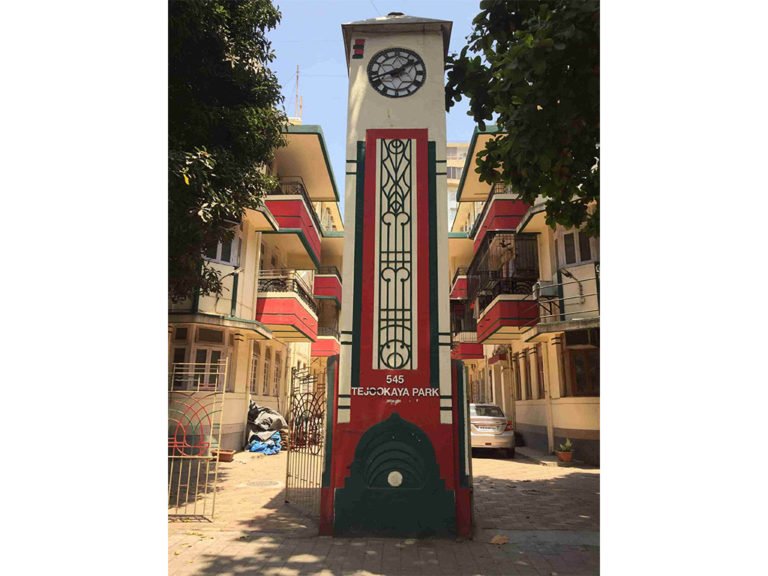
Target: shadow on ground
{"type": "Point", "coordinates": [547, 525]}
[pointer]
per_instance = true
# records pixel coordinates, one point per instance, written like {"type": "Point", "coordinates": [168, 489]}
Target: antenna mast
{"type": "Point", "coordinates": [297, 110]}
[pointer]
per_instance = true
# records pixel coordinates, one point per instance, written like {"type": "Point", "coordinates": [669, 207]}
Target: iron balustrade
{"type": "Point", "coordinates": [282, 280]}
{"type": "Point", "coordinates": [328, 331]}
{"type": "Point", "coordinates": [462, 318]}
{"type": "Point", "coordinates": [468, 337]}
{"type": "Point", "coordinates": [505, 263]}
{"type": "Point", "coordinates": [294, 186]}
{"type": "Point", "coordinates": [495, 189]}
{"type": "Point", "coordinates": [460, 271]}
{"type": "Point", "coordinates": [556, 308]}
{"type": "Point", "coordinates": [198, 376]}
{"type": "Point", "coordinates": [328, 271]}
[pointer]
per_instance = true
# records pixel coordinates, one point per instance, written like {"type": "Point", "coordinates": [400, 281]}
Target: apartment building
{"type": "Point", "coordinates": [277, 317]}
{"type": "Point", "coordinates": [525, 313]}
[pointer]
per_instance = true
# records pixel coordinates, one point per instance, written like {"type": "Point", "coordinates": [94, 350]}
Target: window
{"type": "Point", "coordinates": [227, 251]}
{"type": "Point", "coordinates": [454, 172]}
{"type": "Point", "coordinates": [209, 369]}
{"type": "Point", "coordinates": [527, 370]}
{"type": "Point", "coordinates": [254, 385]}
{"type": "Point", "coordinates": [491, 411]}
{"type": "Point", "coordinates": [585, 253]}
{"type": "Point", "coordinates": [540, 366]}
{"type": "Point", "coordinates": [277, 376]}
{"type": "Point", "coordinates": [575, 253]}
{"type": "Point", "coordinates": [584, 366]}
{"type": "Point", "coordinates": [179, 357]}
{"type": "Point", "coordinates": [267, 368]}
{"type": "Point", "coordinates": [211, 336]}
{"type": "Point", "coordinates": [570, 249]}
{"type": "Point", "coordinates": [180, 334]}
{"type": "Point", "coordinates": [582, 362]}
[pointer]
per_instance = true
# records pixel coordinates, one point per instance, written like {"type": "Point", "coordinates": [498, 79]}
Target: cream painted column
{"type": "Point", "coordinates": [498, 395]}
{"type": "Point", "coordinates": [542, 349]}
{"type": "Point", "coordinates": [508, 397]}
{"type": "Point", "coordinates": [558, 384]}
{"type": "Point", "coordinates": [533, 371]}
{"type": "Point", "coordinates": [237, 376]}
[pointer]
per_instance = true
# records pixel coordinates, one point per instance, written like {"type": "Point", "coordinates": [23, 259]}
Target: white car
{"type": "Point", "coordinates": [489, 428]}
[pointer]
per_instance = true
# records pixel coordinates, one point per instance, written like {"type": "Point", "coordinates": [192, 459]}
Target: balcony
{"type": "Point", "coordinates": [286, 306]}
{"type": "Point", "coordinates": [502, 211]}
{"type": "Point", "coordinates": [500, 284]}
{"type": "Point", "coordinates": [328, 283]}
{"type": "Point", "coordinates": [571, 303]}
{"type": "Point", "coordinates": [292, 208]}
{"type": "Point", "coordinates": [464, 344]}
{"type": "Point", "coordinates": [459, 284]}
{"type": "Point", "coordinates": [327, 343]}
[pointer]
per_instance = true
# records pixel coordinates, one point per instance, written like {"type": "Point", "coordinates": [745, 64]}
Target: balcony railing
{"type": "Point", "coordinates": [198, 376]}
{"type": "Point", "coordinates": [575, 298]}
{"type": "Point", "coordinates": [328, 331]}
{"type": "Point", "coordinates": [294, 186]}
{"type": "Point", "coordinates": [289, 281]}
{"type": "Point", "coordinates": [467, 337]}
{"type": "Point", "coordinates": [328, 270]}
{"type": "Point", "coordinates": [505, 263]}
{"type": "Point", "coordinates": [463, 323]}
{"type": "Point", "coordinates": [460, 271]}
{"type": "Point", "coordinates": [495, 189]}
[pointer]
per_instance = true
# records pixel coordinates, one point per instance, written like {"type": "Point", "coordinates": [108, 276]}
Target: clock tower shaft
{"type": "Point", "coordinates": [399, 458]}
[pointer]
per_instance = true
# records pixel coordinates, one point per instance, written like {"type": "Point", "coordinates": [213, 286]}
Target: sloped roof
{"type": "Point", "coordinates": [396, 22]}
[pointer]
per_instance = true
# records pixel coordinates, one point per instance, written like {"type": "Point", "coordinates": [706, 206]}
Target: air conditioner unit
{"type": "Point", "coordinates": [543, 289]}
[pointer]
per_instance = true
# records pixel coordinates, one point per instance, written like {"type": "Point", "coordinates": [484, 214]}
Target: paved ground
{"type": "Point", "coordinates": [546, 518]}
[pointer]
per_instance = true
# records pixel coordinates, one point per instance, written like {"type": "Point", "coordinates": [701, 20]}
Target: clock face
{"type": "Point", "coordinates": [396, 72]}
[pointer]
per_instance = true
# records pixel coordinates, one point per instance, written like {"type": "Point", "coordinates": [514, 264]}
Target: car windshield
{"type": "Point", "coordinates": [494, 411]}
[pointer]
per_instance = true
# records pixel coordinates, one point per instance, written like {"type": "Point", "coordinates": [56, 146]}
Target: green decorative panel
{"type": "Point", "coordinates": [394, 487]}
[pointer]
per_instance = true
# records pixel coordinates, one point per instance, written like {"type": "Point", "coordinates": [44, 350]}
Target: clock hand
{"type": "Point", "coordinates": [394, 71]}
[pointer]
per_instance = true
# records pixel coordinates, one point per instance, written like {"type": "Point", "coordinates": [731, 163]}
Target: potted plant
{"type": "Point", "coordinates": [565, 451]}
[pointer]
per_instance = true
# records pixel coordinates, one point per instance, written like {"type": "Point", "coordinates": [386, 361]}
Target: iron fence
{"type": "Point", "coordinates": [195, 413]}
{"type": "Point", "coordinates": [306, 445]}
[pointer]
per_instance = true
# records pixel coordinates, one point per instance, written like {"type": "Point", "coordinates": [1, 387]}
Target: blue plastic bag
{"type": "Point", "coordinates": [269, 447]}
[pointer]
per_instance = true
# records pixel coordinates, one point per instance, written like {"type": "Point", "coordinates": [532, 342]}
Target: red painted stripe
{"type": "Point", "coordinates": [467, 351]}
{"type": "Point", "coordinates": [513, 313]}
{"type": "Point", "coordinates": [295, 214]}
{"type": "Point", "coordinates": [327, 286]}
{"type": "Point", "coordinates": [324, 347]}
{"type": "Point", "coordinates": [286, 312]}
{"type": "Point", "coordinates": [502, 215]}
{"type": "Point", "coordinates": [459, 291]}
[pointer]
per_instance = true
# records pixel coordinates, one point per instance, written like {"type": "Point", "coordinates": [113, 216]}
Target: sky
{"type": "Point", "coordinates": [309, 36]}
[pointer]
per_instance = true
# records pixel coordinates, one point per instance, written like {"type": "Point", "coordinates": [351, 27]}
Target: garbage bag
{"type": "Point", "coordinates": [273, 445]}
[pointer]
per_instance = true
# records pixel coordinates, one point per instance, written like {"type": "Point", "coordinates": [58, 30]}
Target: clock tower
{"type": "Point", "coordinates": [398, 462]}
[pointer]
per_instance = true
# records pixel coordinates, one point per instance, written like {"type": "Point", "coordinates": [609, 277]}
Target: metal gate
{"type": "Point", "coordinates": [195, 410]}
{"type": "Point", "coordinates": [306, 443]}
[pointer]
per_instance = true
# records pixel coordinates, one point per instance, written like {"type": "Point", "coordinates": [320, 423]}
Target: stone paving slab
{"type": "Point", "coordinates": [549, 516]}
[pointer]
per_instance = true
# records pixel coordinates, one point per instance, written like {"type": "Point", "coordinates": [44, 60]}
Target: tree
{"type": "Point", "coordinates": [536, 66]}
{"type": "Point", "coordinates": [224, 128]}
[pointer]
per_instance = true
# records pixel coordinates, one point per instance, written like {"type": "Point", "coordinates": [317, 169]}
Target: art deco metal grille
{"type": "Point", "coordinates": [394, 334]}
